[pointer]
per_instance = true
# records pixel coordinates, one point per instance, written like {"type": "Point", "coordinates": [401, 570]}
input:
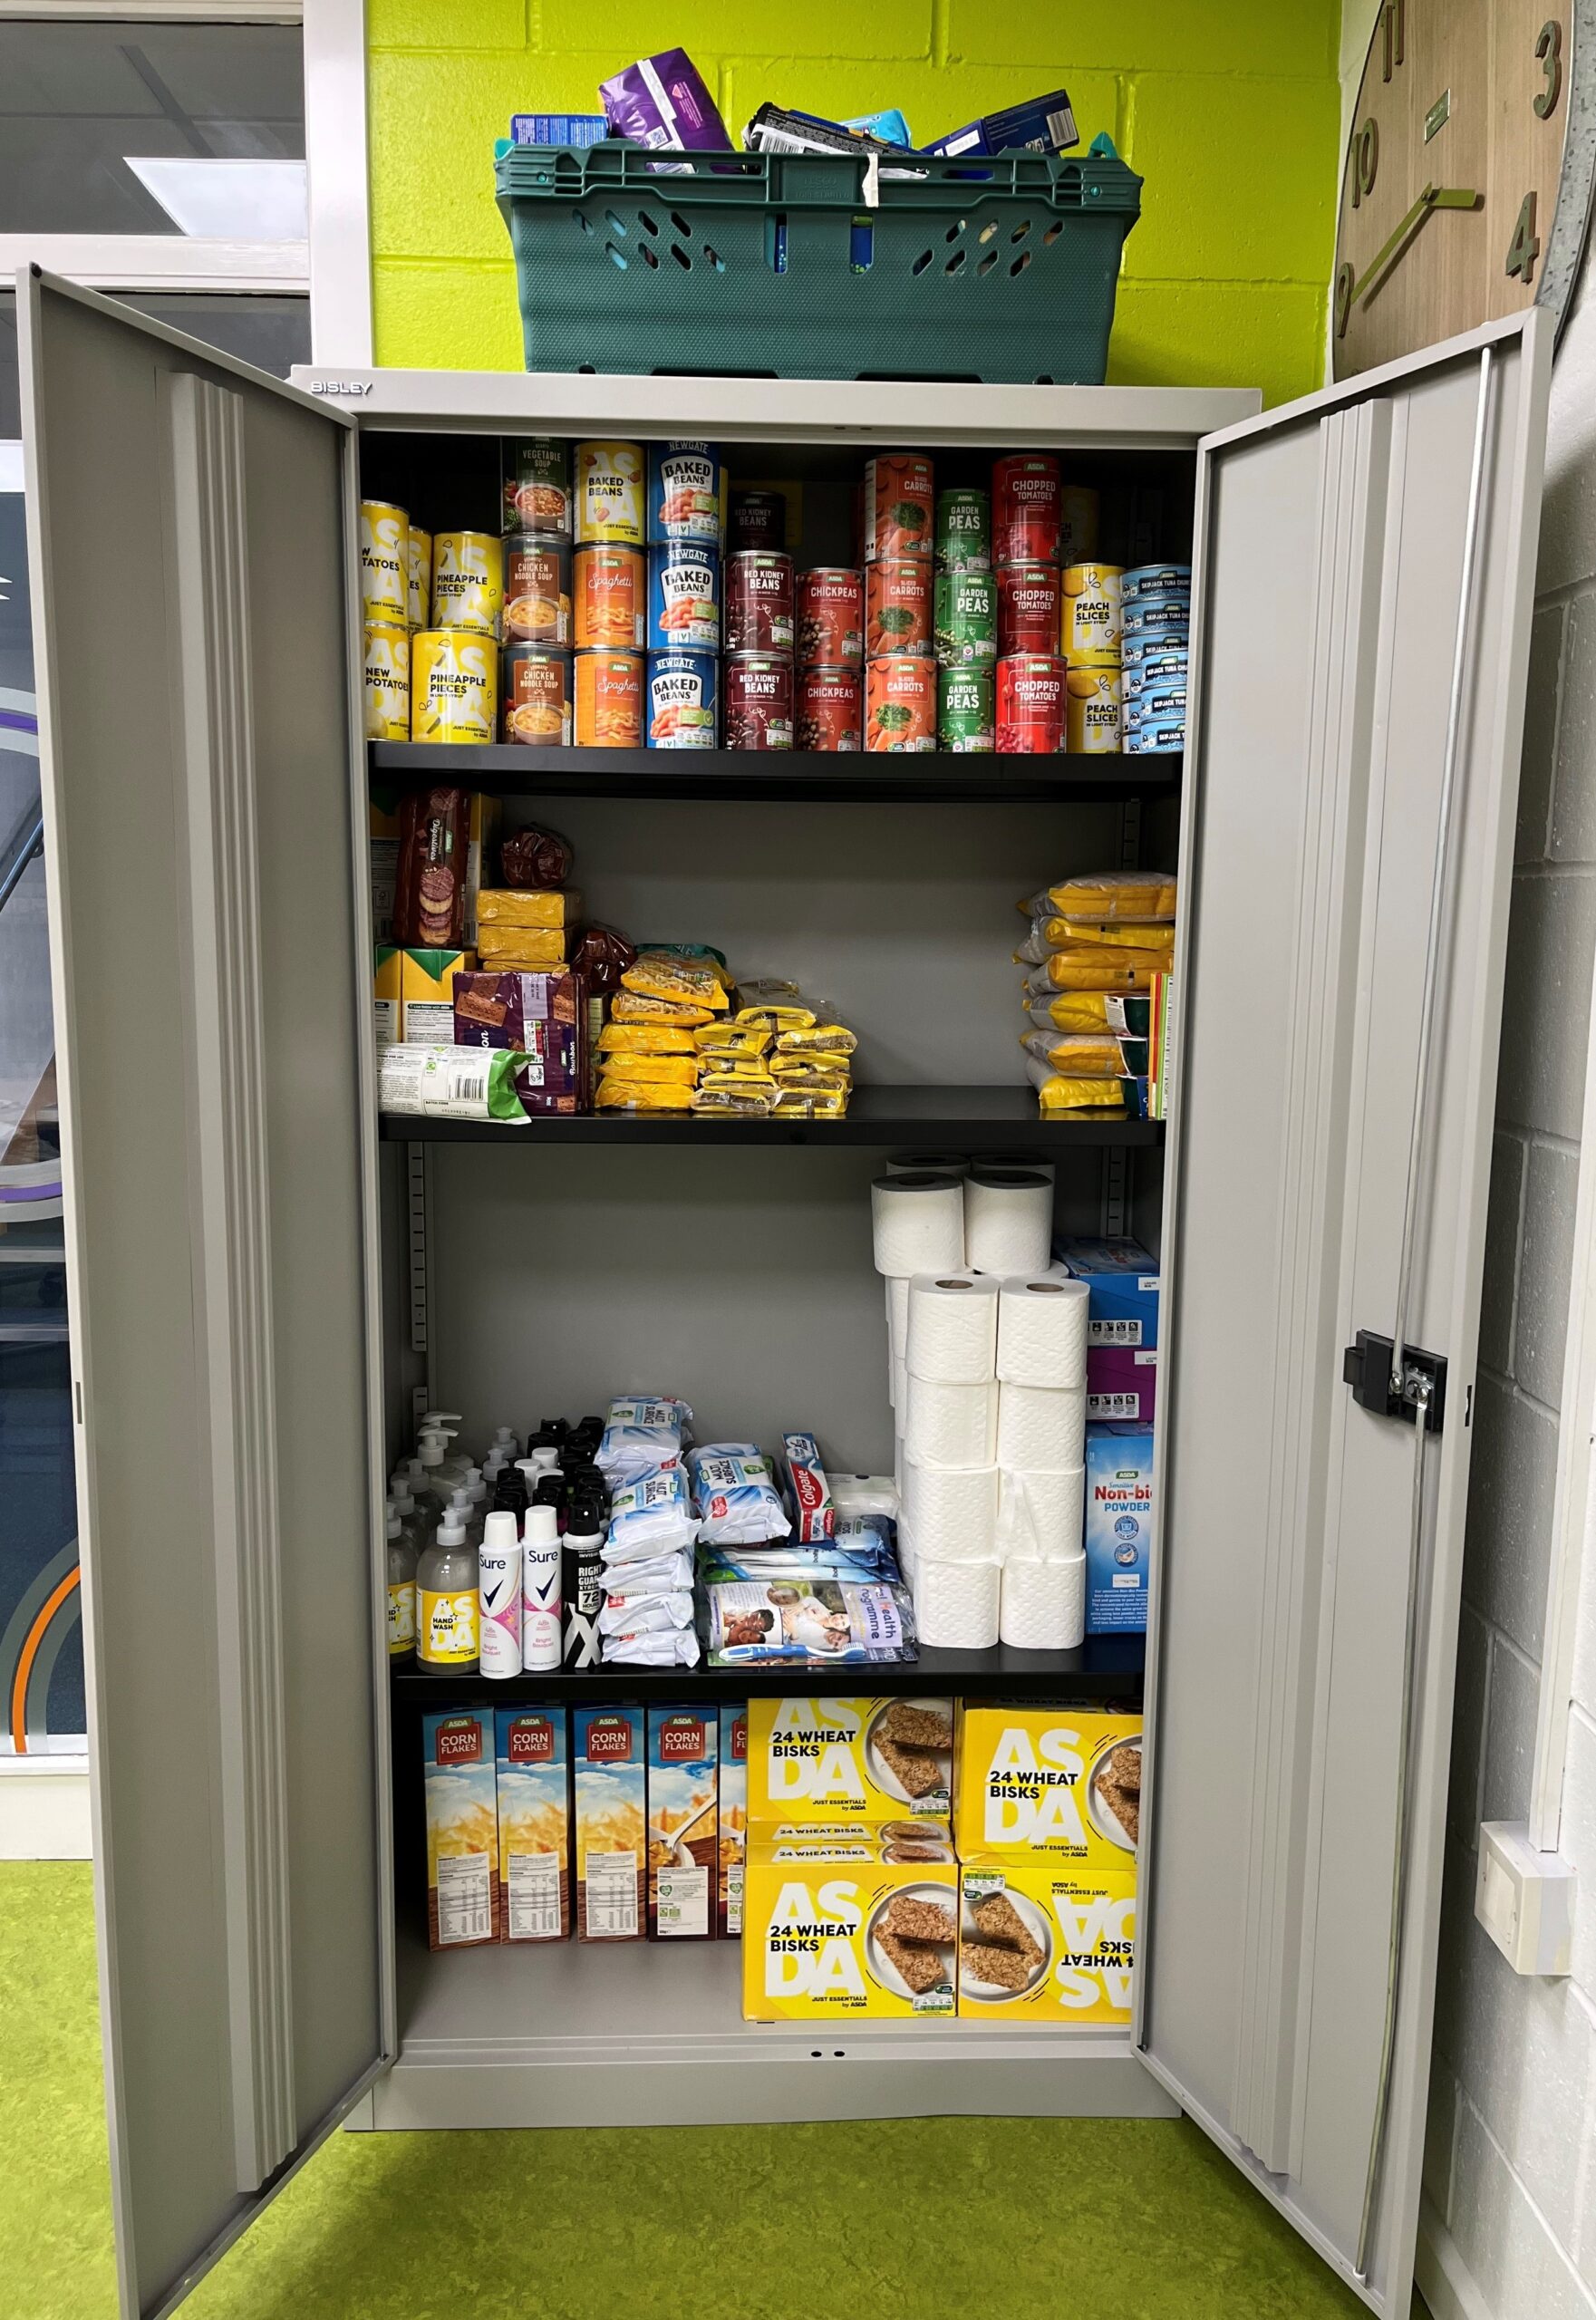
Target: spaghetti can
{"type": "Point", "coordinates": [759, 519]}
{"type": "Point", "coordinates": [759, 700]}
{"type": "Point", "coordinates": [1077, 524]}
{"type": "Point", "coordinates": [538, 696]}
{"type": "Point", "coordinates": [897, 606]}
{"type": "Point", "coordinates": [420, 568]}
{"type": "Point", "coordinates": [682, 702]}
{"type": "Point", "coordinates": [1029, 597]}
{"type": "Point", "coordinates": [536, 589]}
{"type": "Point", "coordinates": [453, 685]}
{"type": "Point", "coordinates": [609, 701]}
{"type": "Point", "coordinates": [1093, 722]}
{"type": "Point", "coordinates": [683, 597]}
{"type": "Point", "coordinates": [1025, 508]}
{"type": "Point", "coordinates": [384, 564]}
{"type": "Point", "coordinates": [900, 703]}
{"type": "Point", "coordinates": [831, 616]}
{"type": "Point", "coordinates": [607, 600]}
{"type": "Point", "coordinates": [1090, 633]}
{"type": "Point", "coordinates": [536, 495]}
{"type": "Point", "coordinates": [900, 506]}
{"type": "Point", "coordinates": [387, 683]}
{"type": "Point", "coordinates": [610, 491]}
{"type": "Point", "coordinates": [966, 618]}
{"type": "Point", "coordinates": [964, 723]}
{"type": "Point", "coordinates": [686, 493]}
{"type": "Point", "coordinates": [468, 581]}
{"type": "Point", "coordinates": [1030, 703]}
{"type": "Point", "coordinates": [829, 704]}
{"type": "Point", "coordinates": [759, 601]}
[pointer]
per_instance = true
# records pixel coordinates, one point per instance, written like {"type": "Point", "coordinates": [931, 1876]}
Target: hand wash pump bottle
{"type": "Point", "coordinates": [446, 1602]}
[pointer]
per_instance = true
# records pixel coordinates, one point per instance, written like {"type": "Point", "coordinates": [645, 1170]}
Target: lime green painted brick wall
{"type": "Point", "coordinates": [1228, 108]}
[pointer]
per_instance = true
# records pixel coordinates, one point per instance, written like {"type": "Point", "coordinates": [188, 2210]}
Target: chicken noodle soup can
{"type": "Point", "coordinates": [830, 610]}
{"type": "Point", "coordinates": [682, 700]}
{"type": "Point", "coordinates": [468, 581]}
{"type": "Point", "coordinates": [608, 599]}
{"type": "Point", "coordinates": [453, 685]}
{"type": "Point", "coordinates": [1077, 524]}
{"type": "Point", "coordinates": [1025, 508]}
{"type": "Point", "coordinates": [1090, 630]}
{"type": "Point", "coordinates": [830, 702]}
{"type": "Point", "coordinates": [1030, 704]}
{"type": "Point", "coordinates": [1092, 724]}
{"type": "Point", "coordinates": [609, 701]}
{"type": "Point", "coordinates": [964, 720]}
{"type": "Point", "coordinates": [900, 703]}
{"type": "Point", "coordinates": [683, 596]}
{"type": "Point", "coordinates": [758, 519]}
{"type": "Point", "coordinates": [897, 606]}
{"type": "Point", "coordinates": [1029, 597]}
{"type": "Point", "coordinates": [963, 530]}
{"type": "Point", "coordinates": [900, 506]}
{"type": "Point", "coordinates": [610, 491]}
{"type": "Point", "coordinates": [759, 700]}
{"type": "Point", "coordinates": [686, 492]}
{"type": "Point", "coordinates": [384, 564]}
{"type": "Point", "coordinates": [538, 696]}
{"type": "Point", "coordinates": [966, 618]}
{"type": "Point", "coordinates": [537, 485]}
{"type": "Point", "coordinates": [759, 601]}
{"type": "Point", "coordinates": [387, 684]}
{"type": "Point", "coordinates": [420, 577]}
{"type": "Point", "coordinates": [536, 589]}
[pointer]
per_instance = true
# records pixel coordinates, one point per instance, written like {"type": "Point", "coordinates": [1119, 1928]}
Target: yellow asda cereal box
{"type": "Point", "coordinates": [825, 1761]}
{"type": "Point", "coordinates": [1041, 1940]}
{"type": "Point", "coordinates": [834, 1930]}
{"type": "Point", "coordinates": [1059, 1779]}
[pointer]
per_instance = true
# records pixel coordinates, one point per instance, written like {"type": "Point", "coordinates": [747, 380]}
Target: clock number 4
{"type": "Point", "coordinates": [1549, 56]}
{"type": "Point", "coordinates": [1524, 248]}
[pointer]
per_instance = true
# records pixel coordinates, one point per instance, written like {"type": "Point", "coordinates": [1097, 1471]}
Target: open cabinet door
{"type": "Point", "coordinates": [1364, 578]}
{"type": "Point", "coordinates": [187, 523]}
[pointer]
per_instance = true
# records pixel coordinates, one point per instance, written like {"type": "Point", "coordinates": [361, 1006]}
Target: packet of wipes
{"type": "Point", "coordinates": [735, 1492]}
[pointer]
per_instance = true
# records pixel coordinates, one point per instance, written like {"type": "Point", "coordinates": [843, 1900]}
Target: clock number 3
{"type": "Point", "coordinates": [1549, 55]}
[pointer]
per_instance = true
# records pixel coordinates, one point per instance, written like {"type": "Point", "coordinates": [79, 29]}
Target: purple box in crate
{"type": "Point", "coordinates": [1121, 1383]}
{"type": "Point", "coordinates": [661, 102]}
{"type": "Point", "coordinates": [544, 1015]}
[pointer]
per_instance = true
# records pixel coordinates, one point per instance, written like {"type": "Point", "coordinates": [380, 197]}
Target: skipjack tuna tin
{"type": "Point", "coordinates": [1164, 702]}
{"type": "Point", "coordinates": [759, 601]}
{"type": "Point", "coordinates": [538, 696]}
{"type": "Point", "coordinates": [1089, 633]}
{"type": "Point", "coordinates": [897, 606]}
{"type": "Point", "coordinates": [965, 722]}
{"type": "Point", "coordinates": [900, 703]}
{"type": "Point", "coordinates": [453, 685]}
{"type": "Point", "coordinates": [759, 519]}
{"type": "Point", "coordinates": [900, 506]}
{"type": "Point", "coordinates": [609, 490]}
{"type": "Point", "coordinates": [963, 530]}
{"type": "Point", "coordinates": [1092, 716]}
{"type": "Point", "coordinates": [1156, 580]}
{"type": "Point", "coordinates": [385, 563]}
{"type": "Point", "coordinates": [758, 702]}
{"type": "Point", "coordinates": [387, 684]}
{"type": "Point", "coordinates": [1164, 620]}
{"type": "Point", "coordinates": [1151, 664]}
{"type": "Point", "coordinates": [1077, 524]}
{"type": "Point", "coordinates": [420, 577]}
{"type": "Point", "coordinates": [1030, 712]}
{"type": "Point", "coordinates": [831, 616]}
{"type": "Point", "coordinates": [686, 492]}
{"type": "Point", "coordinates": [536, 589]}
{"type": "Point", "coordinates": [1153, 740]}
{"type": "Point", "coordinates": [609, 701]}
{"type": "Point", "coordinates": [608, 599]}
{"type": "Point", "coordinates": [966, 617]}
{"type": "Point", "coordinates": [537, 485]}
{"type": "Point", "coordinates": [1029, 597]}
{"type": "Point", "coordinates": [1025, 508]}
{"type": "Point", "coordinates": [681, 703]}
{"type": "Point", "coordinates": [829, 706]}
{"type": "Point", "coordinates": [683, 596]}
{"type": "Point", "coordinates": [468, 581]}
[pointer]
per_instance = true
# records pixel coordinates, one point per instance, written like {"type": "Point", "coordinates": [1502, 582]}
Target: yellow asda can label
{"type": "Point", "coordinates": [453, 685]}
{"type": "Point", "coordinates": [610, 480]}
{"type": "Point", "coordinates": [445, 1628]}
{"type": "Point", "coordinates": [1093, 621]}
{"type": "Point", "coordinates": [387, 684]}
{"type": "Point", "coordinates": [420, 577]}
{"type": "Point", "coordinates": [468, 581]}
{"type": "Point", "coordinates": [401, 1617]}
{"type": "Point", "coordinates": [384, 561]}
{"type": "Point", "coordinates": [1092, 710]}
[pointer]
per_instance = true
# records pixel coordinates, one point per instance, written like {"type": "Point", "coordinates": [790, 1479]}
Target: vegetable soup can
{"type": "Point", "coordinates": [609, 701]}
{"type": "Point", "coordinates": [610, 490]}
{"type": "Point", "coordinates": [830, 612]}
{"type": "Point", "coordinates": [759, 700]}
{"type": "Point", "coordinates": [468, 581]}
{"type": "Point", "coordinates": [384, 564]}
{"type": "Point", "coordinates": [1025, 508]}
{"type": "Point", "coordinates": [897, 606]}
{"type": "Point", "coordinates": [1077, 524]}
{"type": "Point", "coordinates": [609, 597]}
{"type": "Point", "coordinates": [966, 618]}
{"type": "Point", "coordinates": [1093, 719]}
{"type": "Point", "coordinates": [1030, 703]}
{"type": "Point", "coordinates": [536, 589]}
{"type": "Point", "coordinates": [419, 608]}
{"type": "Point", "coordinates": [830, 702]}
{"type": "Point", "coordinates": [1029, 597]}
{"type": "Point", "coordinates": [758, 519]}
{"type": "Point", "coordinates": [536, 496]}
{"type": "Point", "coordinates": [965, 722]}
{"type": "Point", "coordinates": [683, 596]}
{"type": "Point", "coordinates": [1091, 628]}
{"type": "Point", "coordinates": [536, 692]}
{"type": "Point", "coordinates": [963, 530]}
{"type": "Point", "coordinates": [900, 703]}
{"type": "Point", "coordinates": [453, 685]}
{"type": "Point", "coordinates": [759, 601]}
{"type": "Point", "coordinates": [387, 683]}
{"type": "Point", "coordinates": [900, 506]}
{"type": "Point", "coordinates": [686, 493]}
{"type": "Point", "coordinates": [683, 699]}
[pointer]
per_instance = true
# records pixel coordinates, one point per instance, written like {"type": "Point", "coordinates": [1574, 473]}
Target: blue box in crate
{"type": "Point", "coordinates": [1122, 1286]}
{"type": "Point", "coordinates": [558, 129]}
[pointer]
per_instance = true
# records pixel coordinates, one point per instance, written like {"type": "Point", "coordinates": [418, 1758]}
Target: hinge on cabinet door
{"type": "Point", "coordinates": [1365, 1366]}
{"type": "Point", "coordinates": [1131, 834]}
{"type": "Point", "coordinates": [415, 1156]}
{"type": "Point", "coordinates": [1115, 1218]}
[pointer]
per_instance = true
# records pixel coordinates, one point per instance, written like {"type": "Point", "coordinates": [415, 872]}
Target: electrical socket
{"type": "Point", "coordinates": [1525, 1900]}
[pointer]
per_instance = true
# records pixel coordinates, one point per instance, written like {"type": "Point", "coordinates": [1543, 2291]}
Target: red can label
{"type": "Point", "coordinates": [1025, 510]}
{"type": "Point", "coordinates": [831, 616]}
{"type": "Point", "coordinates": [759, 601]}
{"type": "Point", "coordinates": [759, 519]}
{"type": "Point", "coordinates": [900, 703]}
{"type": "Point", "coordinates": [757, 692]}
{"type": "Point", "coordinates": [900, 506]}
{"type": "Point", "coordinates": [898, 606]}
{"type": "Point", "coordinates": [1031, 703]}
{"type": "Point", "coordinates": [1029, 608]}
{"type": "Point", "coordinates": [829, 704]}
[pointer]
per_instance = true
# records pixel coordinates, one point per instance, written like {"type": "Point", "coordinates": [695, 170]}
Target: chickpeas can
{"type": "Point", "coordinates": [900, 703]}
{"type": "Point", "coordinates": [681, 704]}
{"type": "Point", "coordinates": [758, 702]}
{"type": "Point", "coordinates": [609, 701]}
{"type": "Point", "coordinates": [759, 519]}
{"type": "Point", "coordinates": [829, 705]}
{"type": "Point", "coordinates": [1025, 508]}
{"type": "Point", "coordinates": [453, 685]}
{"type": "Point", "coordinates": [607, 599]}
{"type": "Point", "coordinates": [387, 684]}
{"type": "Point", "coordinates": [1030, 703]}
{"type": "Point", "coordinates": [536, 589]}
{"type": "Point", "coordinates": [964, 721]}
{"type": "Point", "coordinates": [963, 530]}
{"type": "Point", "coordinates": [966, 618]}
{"type": "Point", "coordinates": [1090, 633]}
{"type": "Point", "coordinates": [686, 492]}
{"type": "Point", "coordinates": [468, 581]}
{"type": "Point", "coordinates": [538, 696]}
{"type": "Point", "coordinates": [1029, 598]}
{"type": "Point", "coordinates": [831, 616]}
{"type": "Point", "coordinates": [683, 597]}
{"type": "Point", "coordinates": [759, 601]}
{"type": "Point", "coordinates": [610, 491]}
{"type": "Point", "coordinates": [900, 506]}
{"type": "Point", "coordinates": [1093, 713]}
{"type": "Point", "coordinates": [537, 485]}
{"type": "Point", "coordinates": [384, 564]}
{"type": "Point", "coordinates": [1077, 524]}
{"type": "Point", "coordinates": [897, 606]}
{"type": "Point", "coordinates": [419, 568]}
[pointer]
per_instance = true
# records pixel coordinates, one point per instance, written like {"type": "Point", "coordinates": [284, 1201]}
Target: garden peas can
{"type": "Point", "coordinates": [963, 530]}
{"type": "Point", "coordinates": [680, 704]}
{"type": "Point", "coordinates": [683, 597]}
{"type": "Point", "coordinates": [964, 710]}
{"type": "Point", "coordinates": [966, 618]}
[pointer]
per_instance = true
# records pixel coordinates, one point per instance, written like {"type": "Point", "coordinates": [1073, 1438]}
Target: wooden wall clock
{"type": "Point", "coordinates": [1466, 190]}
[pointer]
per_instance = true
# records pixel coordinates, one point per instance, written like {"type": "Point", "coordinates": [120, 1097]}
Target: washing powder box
{"type": "Point", "coordinates": [1042, 1940]}
{"type": "Point", "coordinates": [1121, 1383]}
{"type": "Point", "coordinates": [734, 1818]}
{"type": "Point", "coordinates": [608, 1752]}
{"type": "Point", "coordinates": [457, 1779]}
{"type": "Point", "coordinates": [543, 1015]}
{"type": "Point", "coordinates": [833, 1927]}
{"type": "Point", "coordinates": [534, 1760]}
{"type": "Point", "coordinates": [1118, 1526]}
{"type": "Point", "coordinates": [829, 1762]}
{"type": "Point", "coordinates": [683, 1823]}
{"type": "Point", "coordinates": [1062, 1780]}
{"type": "Point", "coordinates": [1122, 1288]}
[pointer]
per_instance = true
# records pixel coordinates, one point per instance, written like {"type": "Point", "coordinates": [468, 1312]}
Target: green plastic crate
{"type": "Point", "coordinates": [764, 265]}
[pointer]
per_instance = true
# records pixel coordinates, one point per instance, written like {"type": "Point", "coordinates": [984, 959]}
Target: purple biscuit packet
{"type": "Point", "coordinates": [661, 102]}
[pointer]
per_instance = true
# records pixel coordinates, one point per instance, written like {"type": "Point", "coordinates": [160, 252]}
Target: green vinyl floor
{"type": "Point", "coordinates": [1026, 2219]}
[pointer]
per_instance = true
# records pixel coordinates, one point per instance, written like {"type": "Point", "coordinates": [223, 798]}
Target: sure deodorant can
{"type": "Point", "coordinates": [498, 1591]}
{"type": "Point", "coordinates": [540, 1592]}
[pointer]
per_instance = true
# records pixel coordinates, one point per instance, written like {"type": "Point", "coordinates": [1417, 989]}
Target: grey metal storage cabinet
{"type": "Point", "coordinates": [238, 1241]}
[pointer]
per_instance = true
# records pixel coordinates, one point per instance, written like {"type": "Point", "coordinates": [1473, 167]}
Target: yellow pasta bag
{"type": "Point", "coordinates": [506, 949]}
{"type": "Point", "coordinates": [1088, 1055]}
{"type": "Point", "coordinates": [618, 1093]}
{"type": "Point", "coordinates": [792, 1104]}
{"type": "Point", "coordinates": [1086, 968]}
{"type": "Point", "coordinates": [645, 1038]}
{"type": "Point", "coordinates": [770, 1001]}
{"type": "Point", "coordinates": [824, 1033]}
{"type": "Point", "coordinates": [1059, 1095]}
{"type": "Point", "coordinates": [1124, 897]}
{"type": "Point", "coordinates": [632, 1007]}
{"type": "Point", "coordinates": [661, 974]}
{"type": "Point", "coordinates": [731, 1038]}
{"type": "Point", "coordinates": [734, 1066]}
{"type": "Point", "coordinates": [680, 1071]}
{"type": "Point", "coordinates": [810, 1071]}
{"type": "Point", "coordinates": [829, 1107]}
{"type": "Point", "coordinates": [1062, 933]}
{"type": "Point", "coordinates": [738, 1098]}
{"type": "Point", "coordinates": [540, 906]}
{"type": "Point", "coordinates": [1090, 1010]}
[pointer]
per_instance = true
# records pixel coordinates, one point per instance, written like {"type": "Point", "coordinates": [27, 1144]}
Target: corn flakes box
{"type": "Point", "coordinates": [608, 1752]}
{"type": "Point", "coordinates": [1042, 1940]}
{"type": "Point", "coordinates": [833, 1930]}
{"type": "Point", "coordinates": [533, 1765]}
{"type": "Point", "coordinates": [826, 1761]}
{"type": "Point", "coordinates": [458, 1783]}
{"type": "Point", "coordinates": [683, 1823]}
{"type": "Point", "coordinates": [733, 1819]}
{"type": "Point", "coordinates": [1059, 1779]}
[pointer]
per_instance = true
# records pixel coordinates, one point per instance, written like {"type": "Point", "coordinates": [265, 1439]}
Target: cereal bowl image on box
{"type": "Point", "coordinates": [1006, 1940]}
{"type": "Point", "coordinates": [909, 1750]}
{"type": "Point", "coordinates": [911, 1943]}
{"type": "Point", "coordinates": [1042, 1939]}
{"type": "Point", "coordinates": [825, 1761]}
{"type": "Point", "coordinates": [1114, 1792]}
{"type": "Point", "coordinates": [833, 1927]}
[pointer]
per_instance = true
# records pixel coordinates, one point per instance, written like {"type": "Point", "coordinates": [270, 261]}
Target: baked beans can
{"type": "Point", "coordinates": [759, 700]}
{"type": "Point", "coordinates": [387, 684]}
{"type": "Point", "coordinates": [759, 601]}
{"type": "Point", "coordinates": [966, 618]}
{"type": "Point", "coordinates": [384, 564]}
{"type": "Point", "coordinates": [683, 597]}
{"type": "Point", "coordinates": [758, 519]}
{"type": "Point", "coordinates": [681, 704]}
{"type": "Point", "coordinates": [536, 495]}
{"type": "Point", "coordinates": [1093, 722]}
{"type": "Point", "coordinates": [1028, 600]}
{"type": "Point", "coordinates": [609, 599]}
{"type": "Point", "coordinates": [900, 703]}
{"type": "Point", "coordinates": [686, 492]}
{"type": "Point", "coordinates": [453, 685]}
{"type": "Point", "coordinates": [1090, 633]}
{"type": "Point", "coordinates": [536, 589]}
{"type": "Point", "coordinates": [1025, 508]}
{"type": "Point", "coordinates": [611, 488]}
{"type": "Point", "coordinates": [1031, 715]}
{"type": "Point", "coordinates": [964, 721]}
{"type": "Point", "coordinates": [609, 701]}
{"type": "Point", "coordinates": [900, 506]}
{"type": "Point", "coordinates": [420, 609]}
{"type": "Point", "coordinates": [963, 530]}
{"type": "Point", "coordinates": [831, 616]}
{"type": "Point", "coordinates": [830, 702]}
{"type": "Point", "coordinates": [897, 606]}
{"type": "Point", "coordinates": [1077, 524]}
{"type": "Point", "coordinates": [468, 581]}
{"type": "Point", "coordinates": [536, 693]}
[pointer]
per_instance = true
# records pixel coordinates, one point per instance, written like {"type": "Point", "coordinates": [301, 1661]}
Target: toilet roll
{"type": "Point", "coordinates": [953, 1163]}
{"type": "Point", "coordinates": [950, 1512]}
{"type": "Point", "coordinates": [1041, 1427]}
{"type": "Point", "coordinates": [917, 1224]}
{"type": "Point", "coordinates": [1007, 1222]}
{"type": "Point", "coordinates": [1041, 1332]}
{"type": "Point", "coordinates": [952, 1328]}
{"type": "Point", "coordinates": [956, 1604]}
{"type": "Point", "coordinates": [900, 1391]}
{"type": "Point", "coordinates": [950, 1425]}
{"type": "Point", "coordinates": [982, 1162]}
{"type": "Point", "coordinates": [1042, 1606]}
{"type": "Point", "coordinates": [1055, 1505]}
{"type": "Point", "coordinates": [897, 1317]}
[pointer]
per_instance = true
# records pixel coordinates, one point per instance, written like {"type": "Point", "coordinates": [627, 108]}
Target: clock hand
{"type": "Point", "coordinates": [1444, 196]}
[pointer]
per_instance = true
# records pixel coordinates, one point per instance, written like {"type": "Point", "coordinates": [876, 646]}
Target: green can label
{"type": "Point", "coordinates": [963, 530]}
{"type": "Point", "coordinates": [964, 710]}
{"type": "Point", "coordinates": [966, 619]}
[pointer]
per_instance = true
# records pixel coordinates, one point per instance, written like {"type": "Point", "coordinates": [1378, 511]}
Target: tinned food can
{"type": "Point", "coordinates": [900, 506]}
{"type": "Point", "coordinates": [536, 589]}
{"type": "Point", "coordinates": [1077, 524]}
{"type": "Point", "coordinates": [683, 596]}
{"type": "Point", "coordinates": [1156, 580]}
{"type": "Point", "coordinates": [686, 492]}
{"type": "Point", "coordinates": [453, 685]}
{"type": "Point", "coordinates": [1093, 713]}
{"type": "Point", "coordinates": [758, 702]}
{"type": "Point", "coordinates": [897, 606]}
{"type": "Point", "coordinates": [611, 487]}
{"type": "Point", "coordinates": [966, 618]}
{"type": "Point", "coordinates": [1030, 703]}
{"type": "Point", "coordinates": [758, 519]}
{"type": "Point", "coordinates": [468, 581]}
{"type": "Point", "coordinates": [830, 702]}
{"type": "Point", "coordinates": [682, 700]}
{"type": "Point", "coordinates": [1025, 508]}
{"type": "Point", "coordinates": [384, 564]}
{"type": "Point", "coordinates": [963, 530]}
{"type": "Point", "coordinates": [608, 598]}
{"type": "Point", "coordinates": [419, 568]}
{"type": "Point", "coordinates": [1029, 597]}
{"type": "Point", "coordinates": [608, 701]}
{"type": "Point", "coordinates": [387, 683]}
{"type": "Point", "coordinates": [964, 720]}
{"type": "Point", "coordinates": [759, 601]}
{"type": "Point", "coordinates": [900, 703]}
{"type": "Point", "coordinates": [536, 495]}
{"type": "Point", "coordinates": [538, 696]}
{"type": "Point", "coordinates": [831, 616]}
{"type": "Point", "coordinates": [1090, 632]}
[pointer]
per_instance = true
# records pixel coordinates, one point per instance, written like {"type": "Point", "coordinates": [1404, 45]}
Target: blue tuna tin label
{"type": "Point", "coordinates": [1146, 580]}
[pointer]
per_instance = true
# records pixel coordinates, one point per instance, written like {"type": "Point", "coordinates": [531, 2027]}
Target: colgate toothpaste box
{"type": "Point", "coordinates": [809, 1494]}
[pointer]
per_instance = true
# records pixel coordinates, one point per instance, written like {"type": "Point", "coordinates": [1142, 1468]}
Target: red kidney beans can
{"type": "Point", "coordinates": [1029, 608]}
{"type": "Point", "coordinates": [756, 695]}
{"type": "Point", "coordinates": [759, 519]}
{"type": "Point", "coordinates": [831, 617]}
{"type": "Point", "coordinates": [1025, 508]}
{"type": "Point", "coordinates": [898, 605]}
{"type": "Point", "coordinates": [1031, 703]}
{"type": "Point", "coordinates": [830, 703]}
{"type": "Point", "coordinates": [759, 601]}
